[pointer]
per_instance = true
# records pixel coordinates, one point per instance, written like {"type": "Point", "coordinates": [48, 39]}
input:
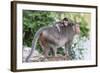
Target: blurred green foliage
{"type": "Point", "coordinates": [33, 20]}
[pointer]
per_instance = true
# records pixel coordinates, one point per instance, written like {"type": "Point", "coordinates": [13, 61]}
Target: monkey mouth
{"type": "Point", "coordinates": [66, 24]}
{"type": "Point", "coordinates": [78, 32]}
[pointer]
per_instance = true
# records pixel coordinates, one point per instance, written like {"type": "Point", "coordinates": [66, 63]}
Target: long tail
{"type": "Point", "coordinates": [34, 41]}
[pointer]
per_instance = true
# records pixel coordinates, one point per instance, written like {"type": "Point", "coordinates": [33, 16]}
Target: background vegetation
{"type": "Point", "coordinates": [33, 20]}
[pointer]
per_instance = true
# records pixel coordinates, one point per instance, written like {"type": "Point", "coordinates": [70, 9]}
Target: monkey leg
{"type": "Point", "coordinates": [66, 53]}
{"type": "Point", "coordinates": [66, 50]}
{"type": "Point", "coordinates": [55, 52]}
{"type": "Point", "coordinates": [44, 44]}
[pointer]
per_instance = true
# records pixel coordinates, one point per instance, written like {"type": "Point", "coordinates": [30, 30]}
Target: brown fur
{"type": "Point", "coordinates": [43, 43]}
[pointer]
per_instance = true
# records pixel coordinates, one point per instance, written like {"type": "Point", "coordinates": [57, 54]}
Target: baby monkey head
{"type": "Point", "coordinates": [65, 21]}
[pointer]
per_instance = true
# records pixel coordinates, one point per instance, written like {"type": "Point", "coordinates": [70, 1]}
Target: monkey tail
{"type": "Point", "coordinates": [34, 41]}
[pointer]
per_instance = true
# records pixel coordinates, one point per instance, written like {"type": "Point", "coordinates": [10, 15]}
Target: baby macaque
{"type": "Point", "coordinates": [62, 23]}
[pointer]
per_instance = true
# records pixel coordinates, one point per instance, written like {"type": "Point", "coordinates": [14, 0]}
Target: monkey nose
{"type": "Point", "coordinates": [77, 31]}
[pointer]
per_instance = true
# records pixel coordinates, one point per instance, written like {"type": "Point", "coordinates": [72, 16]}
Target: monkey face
{"type": "Point", "coordinates": [76, 28]}
{"type": "Point", "coordinates": [65, 23]}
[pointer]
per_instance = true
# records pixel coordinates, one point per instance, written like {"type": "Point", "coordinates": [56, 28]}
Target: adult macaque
{"type": "Point", "coordinates": [50, 38]}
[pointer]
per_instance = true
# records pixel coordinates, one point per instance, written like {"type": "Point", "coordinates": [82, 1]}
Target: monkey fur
{"type": "Point", "coordinates": [50, 38]}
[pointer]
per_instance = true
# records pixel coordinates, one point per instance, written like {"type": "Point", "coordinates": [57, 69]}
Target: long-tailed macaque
{"type": "Point", "coordinates": [50, 38]}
